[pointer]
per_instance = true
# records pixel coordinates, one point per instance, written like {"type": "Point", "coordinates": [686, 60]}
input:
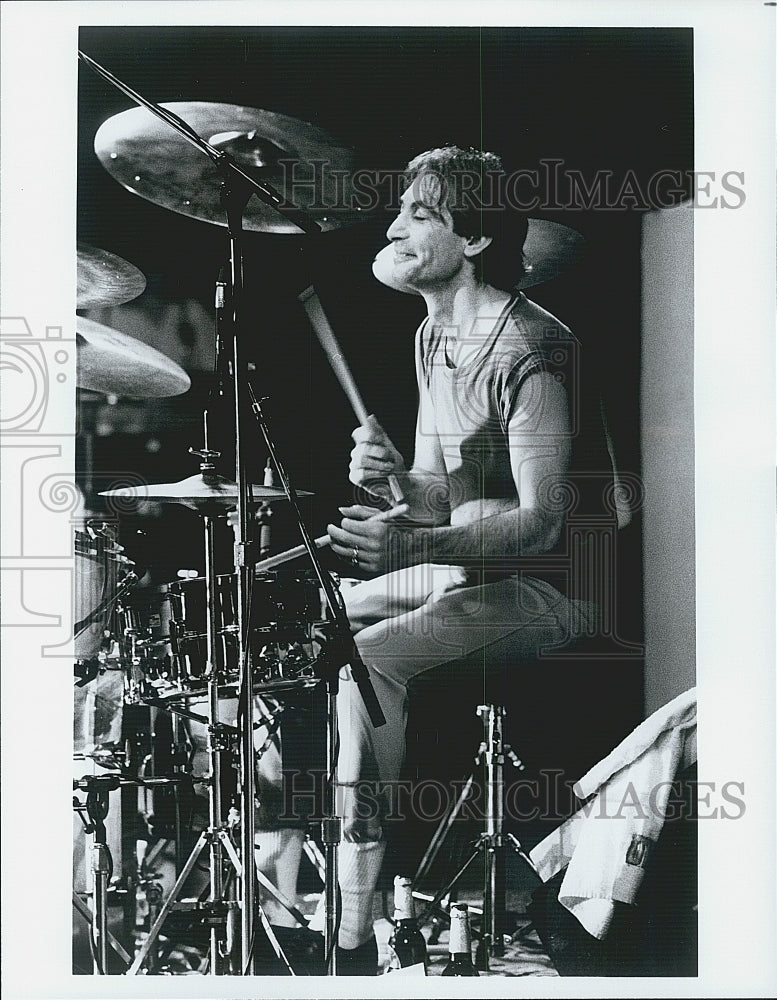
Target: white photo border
{"type": "Point", "coordinates": [734, 53]}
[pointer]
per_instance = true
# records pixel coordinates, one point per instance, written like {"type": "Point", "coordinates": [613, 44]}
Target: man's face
{"type": "Point", "coordinates": [427, 252]}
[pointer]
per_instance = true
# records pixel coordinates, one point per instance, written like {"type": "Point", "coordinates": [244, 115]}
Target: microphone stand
{"type": "Point", "coordinates": [340, 651]}
{"type": "Point", "coordinates": [237, 187]}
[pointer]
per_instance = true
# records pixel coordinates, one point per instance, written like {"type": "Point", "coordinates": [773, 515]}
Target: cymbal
{"type": "Point", "coordinates": [114, 363]}
{"type": "Point", "coordinates": [152, 160]}
{"type": "Point", "coordinates": [199, 491]}
{"type": "Point", "coordinates": [105, 279]}
{"type": "Point", "coordinates": [549, 250]}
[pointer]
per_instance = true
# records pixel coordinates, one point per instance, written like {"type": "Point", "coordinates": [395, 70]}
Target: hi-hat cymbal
{"type": "Point", "coordinates": [298, 159]}
{"type": "Point", "coordinates": [549, 250]}
{"type": "Point", "coordinates": [116, 364]}
{"type": "Point", "coordinates": [199, 491]}
{"type": "Point", "coordinates": [105, 279]}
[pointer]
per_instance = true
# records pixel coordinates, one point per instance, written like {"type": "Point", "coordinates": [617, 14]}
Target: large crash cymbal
{"type": "Point", "coordinates": [199, 491]}
{"type": "Point", "coordinates": [116, 364]}
{"type": "Point", "coordinates": [150, 159]}
{"type": "Point", "coordinates": [549, 250]}
{"type": "Point", "coordinates": [105, 279]}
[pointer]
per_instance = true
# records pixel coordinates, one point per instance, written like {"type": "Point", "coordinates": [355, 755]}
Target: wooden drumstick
{"type": "Point", "coordinates": [282, 557]}
{"type": "Point", "coordinates": [312, 306]}
{"type": "Point", "coordinates": [320, 543]}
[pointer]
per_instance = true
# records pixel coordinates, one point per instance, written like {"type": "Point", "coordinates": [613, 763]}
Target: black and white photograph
{"type": "Point", "coordinates": [388, 448]}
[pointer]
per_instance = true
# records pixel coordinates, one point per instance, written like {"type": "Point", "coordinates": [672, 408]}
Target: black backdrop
{"type": "Point", "coordinates": [596, 99]}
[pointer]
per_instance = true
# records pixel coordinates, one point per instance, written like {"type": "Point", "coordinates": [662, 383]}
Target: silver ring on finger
{"type": "Point", "coordinates": [355, 556]}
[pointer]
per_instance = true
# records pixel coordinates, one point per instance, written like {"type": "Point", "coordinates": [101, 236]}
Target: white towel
{"type": "Point", "coordinates": [606, 845]}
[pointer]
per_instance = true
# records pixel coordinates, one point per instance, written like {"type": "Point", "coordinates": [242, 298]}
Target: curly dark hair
{"type": "Point", "coordinates": [468, 182]}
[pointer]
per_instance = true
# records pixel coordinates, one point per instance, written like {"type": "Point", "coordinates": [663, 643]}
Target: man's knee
{"type": "Point", "coordinates": [361, 806]}
{"type": "Point", "coordinates": [361, 831]}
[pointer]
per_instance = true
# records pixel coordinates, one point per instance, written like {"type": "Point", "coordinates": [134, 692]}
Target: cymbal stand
{"type": "Point", "coordinates": [491, 843]}
{"type": "Point", "coordinates": [340, 650]}
{"type": "Point", "coordinates": [80, 906]}
{"type": "Point", "coordinates": [216, 739]}
{"type": "Point", "coordinates": [237, 187]}
{"type": "Point", "coordinates": [97, 789]}
{"type": "Point", "coordinates": [229, 297]}
{"type": "Point", "coordinates": [234, 197]}
{"type": "Point", "coordinates": [221, 740]}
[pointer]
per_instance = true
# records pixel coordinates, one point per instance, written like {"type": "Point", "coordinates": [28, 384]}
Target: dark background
{"type": "Point", "coordinates": [618, 100]}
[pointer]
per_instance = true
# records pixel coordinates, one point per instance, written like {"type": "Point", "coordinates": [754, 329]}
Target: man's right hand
{"type": "Point", "coordinates": [374, 456]}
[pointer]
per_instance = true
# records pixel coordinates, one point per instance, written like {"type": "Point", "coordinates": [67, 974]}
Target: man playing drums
{"type": "Point", "coordinates": [464, 573]}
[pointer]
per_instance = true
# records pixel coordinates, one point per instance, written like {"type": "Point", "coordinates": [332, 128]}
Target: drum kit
{"type": "Point", "coordinates": [261, 632]}
{"type": "Point", "coordinates": [249, 638]}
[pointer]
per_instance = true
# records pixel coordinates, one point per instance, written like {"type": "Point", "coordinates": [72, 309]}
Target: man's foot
{"type": "Point", "coordinates": [303, 948]}
{"type": "Point", "coordinates": [361, 961]}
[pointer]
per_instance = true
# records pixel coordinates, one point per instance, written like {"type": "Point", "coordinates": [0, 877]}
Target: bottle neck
{"type": "Point", "coordinates": [404, 904]}
{"type": "Point", "coordinates": [459, 939]}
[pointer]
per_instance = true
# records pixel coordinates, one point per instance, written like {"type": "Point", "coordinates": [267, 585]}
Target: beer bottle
{"type": "Point", "coordinates": [406, 944]}
{"type": "Point", "coordinates": [460, 948]}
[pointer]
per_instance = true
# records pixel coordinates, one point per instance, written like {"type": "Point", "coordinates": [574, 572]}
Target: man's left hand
{"type": "Point", "coordinates": [364, 538]}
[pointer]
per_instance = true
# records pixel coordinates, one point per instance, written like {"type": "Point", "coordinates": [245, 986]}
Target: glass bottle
{"type": "Point", "coordinates": [406, 945]}
{"type": "Point", "coordinates": [460, 947]}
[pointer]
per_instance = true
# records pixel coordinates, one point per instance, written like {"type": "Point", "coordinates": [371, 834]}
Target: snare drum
{"type": "Point", "coordinates": [283, 609]}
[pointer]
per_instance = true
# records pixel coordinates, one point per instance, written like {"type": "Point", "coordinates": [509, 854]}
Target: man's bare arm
{"type": "Point", "coordinates": [424, 486]}
{"type": "Point", "coordinates": [489, 529]}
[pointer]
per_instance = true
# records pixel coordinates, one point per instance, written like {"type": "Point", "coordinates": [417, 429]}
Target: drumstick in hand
{"type": "Point", "coordinates": [323, 541]}
{"type": "Point", "coordinates": [312, 306]}
{"type": "Point", "coordinates": [282, 557]}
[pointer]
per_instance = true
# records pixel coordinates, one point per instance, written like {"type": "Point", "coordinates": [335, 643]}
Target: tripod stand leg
{"type": "Point", "coordinates": [517, 846]}
{"type": "Point", "coordinates": [442, 831]}
{"type": "Point", "coordinates": [283, 900]}
{"type": "Point", "coordinates": [434, 904]}
{"type": "Point", "coordinates": [276, 947]}
{"type": "Point", "coordinates": [168, 904]}
{"type": "Point", "coordinates": [86, 913]}
{"type": "Point", "coordinates": [316, 858]}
